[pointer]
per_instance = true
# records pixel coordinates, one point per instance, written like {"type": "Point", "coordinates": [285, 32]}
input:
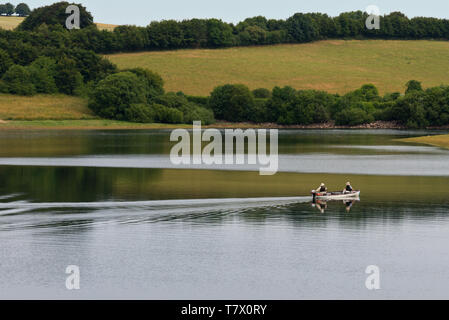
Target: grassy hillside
{"type": "Point", "coordinates": [55, 107]}
{"type": "Point", "coordinates": [335, 65]}
{"type": "Point", "coordinates": [10, 23]}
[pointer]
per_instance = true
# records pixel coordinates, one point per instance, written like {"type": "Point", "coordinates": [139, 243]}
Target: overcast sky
{"type": "Point", "coordinates": [142, 12]}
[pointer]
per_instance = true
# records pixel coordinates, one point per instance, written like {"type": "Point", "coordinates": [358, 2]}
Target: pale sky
{"type": "Point", "coordinates": [142, 12]}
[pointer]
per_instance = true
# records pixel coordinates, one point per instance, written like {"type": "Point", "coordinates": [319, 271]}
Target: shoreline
{"type": "Point", "coordinates": [104, 124]}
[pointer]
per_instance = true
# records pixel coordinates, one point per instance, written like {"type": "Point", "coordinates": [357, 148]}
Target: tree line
{"type": "Point", "coordinates": [43, 57]}
{"type": "Point", "coordinates": [416, 108]}
{"type": "Point", "coordinates": [214, 33]}
{"type": "Point", "coordinates": [8, 9]}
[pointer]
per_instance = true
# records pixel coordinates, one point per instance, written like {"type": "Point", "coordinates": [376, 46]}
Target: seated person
{"type": "Point", "coordinates": [322, 188]}
{"type": "Point", "coordinates": [348, 188]}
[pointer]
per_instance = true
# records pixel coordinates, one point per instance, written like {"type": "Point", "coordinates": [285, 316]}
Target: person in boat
{"type": "Point", "coordinates": [322, 188]}
{"type": "Point", "coordinates": [348, 188]}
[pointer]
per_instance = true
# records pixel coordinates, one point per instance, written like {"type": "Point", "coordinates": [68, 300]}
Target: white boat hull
{"type": "Point", "coordinates": [338, 196]}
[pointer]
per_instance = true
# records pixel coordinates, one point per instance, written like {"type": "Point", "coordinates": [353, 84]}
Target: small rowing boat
{"type": "Point", "coordinates": [336, 195]}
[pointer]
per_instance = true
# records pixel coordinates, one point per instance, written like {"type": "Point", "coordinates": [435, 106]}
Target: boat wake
{"type": "Point", "coordinates": [152, 204]}
{"type": "Point", "coordinates": [32, 214]}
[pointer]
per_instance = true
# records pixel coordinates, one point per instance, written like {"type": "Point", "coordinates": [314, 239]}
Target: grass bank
{"type": "Point", "coordinates": [96, 124]}
{"type": "Point", "coordinates": [336, 66]}
{"type": "Point", "coordinates": [44, 107]}
{"type": "Point", "coordinates": [438, 141]}
{"type": "Point", "coordinates": [58, 112]}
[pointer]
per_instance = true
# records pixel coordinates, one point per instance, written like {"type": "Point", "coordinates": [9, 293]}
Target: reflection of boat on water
{"type": "Point", "coordinates": [321, 205]}
{"type": "Point", "coordinates": [320, 199]}
{"type": "Point", "coordinates": [327, 196]}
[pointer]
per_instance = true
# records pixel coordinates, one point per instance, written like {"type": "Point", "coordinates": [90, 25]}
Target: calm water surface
{"type": "Point", "coordinates": [137, 229]}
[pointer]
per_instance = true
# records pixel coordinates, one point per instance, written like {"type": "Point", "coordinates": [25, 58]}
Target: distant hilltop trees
{"type": "Point", "coordinates": [8, 9]}
{"type": "Point", "coordinates": [215, 33]}
{"type": "Point", "coordinates": [54, 15]}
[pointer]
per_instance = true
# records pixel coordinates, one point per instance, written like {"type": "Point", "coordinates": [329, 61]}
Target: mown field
{"type": "Point", "coordinates": [336, 66]}
{"type": "Point", "coordinates": [10, 23]}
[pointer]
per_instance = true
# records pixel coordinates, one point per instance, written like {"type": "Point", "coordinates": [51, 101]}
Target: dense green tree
{"type": "Point", "coordinates": [9, 9]}
{"type": "Point", "coordinates": [46, 63]}
{"type": "Point", "coordinates": [191, 111]}
{"type": "Point", "coordinates": [258, 21]}
{"type": "Point", "coordinates": [43, 72]}
{"type": "Point", "coordinates": [350, 24]}
{"type": "Point", "coordinates": [288, 106]}
{"type": "Point", "coordinates": [21, 52]}
{"type": "Point", "coordinates": [18, 81]}
{"type": "Point", "coordinates": [277, 106]}
{"type": "Point", "coordinates": [142, 113]}
{"type": "Point", "coordinates": [355, 99]}
{"type": "Point", "coordinates": [318, 104]}
{"type": "Point", "coordinates": [116, 93]}
{"type": "Point", "coordinates": [5, 61]}
{"type": "Point", "coordinates": [23, 10]}
{"type": "Point", "coordinates": [353, 117]}
{"type": "Point", "coordinates": [396, 25]}
{"type": "Point", "coordinates": [253, 35]}
{"type": "Point", "coordinates": [232, 102]}
{"type": "Point", "coordinates": [219, 34]}
{"type": "Point", "coordinates": [410, 110]}
{"type": "Point", "coordinates": [132, 38]}
{"type": "Point", "coordinates": [302, 28]}
{"type": "Point", "coordinates": [262, 93]}
{"type": "Point", "coordinates": [412, 86]}
{"type": "Point", "coordinates": [167, 34]}
{"type": "Point", "coordinates": [195, 33]}
{"type": "Point", "coordinates": [325, 25]}
{"type": "Point", "coordinates": [91, 66]}
{"type": "Point", "coordinates": [166, 115]}
{"type": "Point", "coordinates": [154, 85]}
{"type": "Point", "coordinates": [68, 78]}
{"type": "Point", "coordinates": [54, 14]}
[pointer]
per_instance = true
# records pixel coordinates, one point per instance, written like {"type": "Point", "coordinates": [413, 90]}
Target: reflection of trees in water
{"type": "Point", "coordinates": [57, 143]}
{"type": "Point", "coordinates": [66, 184]}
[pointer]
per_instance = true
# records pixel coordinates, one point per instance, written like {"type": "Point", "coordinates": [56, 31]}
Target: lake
{"type": "Point", "coordinates": [138, 227]}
